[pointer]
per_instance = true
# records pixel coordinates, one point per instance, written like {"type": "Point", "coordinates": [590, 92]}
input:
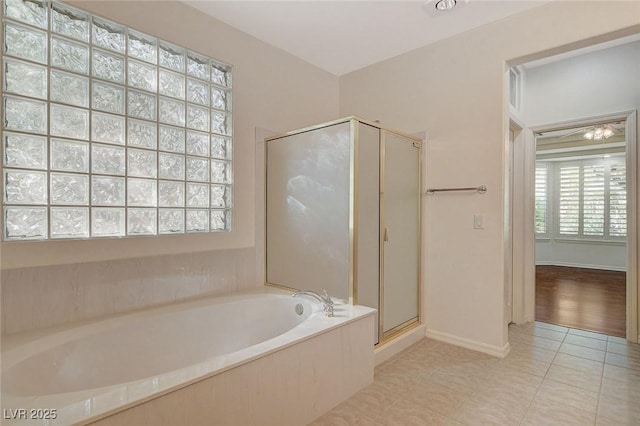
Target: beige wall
{"type": "Point", "coordinates": [454, 90]}
{"type": "Point", "coordinates": [272, 90]}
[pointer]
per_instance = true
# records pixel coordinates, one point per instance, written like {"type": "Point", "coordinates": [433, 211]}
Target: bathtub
{"type": "Point", "coordinates": [259, 357]}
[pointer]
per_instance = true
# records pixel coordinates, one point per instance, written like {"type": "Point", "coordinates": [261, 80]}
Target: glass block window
{"type": "Point", "coordinates": [107, 131]}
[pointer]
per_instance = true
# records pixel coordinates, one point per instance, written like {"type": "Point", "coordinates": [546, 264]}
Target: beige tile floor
{"type": "Point", "coordinates": [553, 376]}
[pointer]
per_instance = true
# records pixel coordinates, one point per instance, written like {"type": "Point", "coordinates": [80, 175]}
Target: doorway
{"type": "Point", "coordinates": [588, 92]}
{"type": "Point", "coordinates": [580, 215]}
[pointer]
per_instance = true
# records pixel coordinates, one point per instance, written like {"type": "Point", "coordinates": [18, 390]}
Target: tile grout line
{"type": "Point", "coordinates": [543, 377]}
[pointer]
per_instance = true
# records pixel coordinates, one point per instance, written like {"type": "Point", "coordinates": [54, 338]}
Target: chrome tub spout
{"type": "Point", "coordinates": [325, 299]}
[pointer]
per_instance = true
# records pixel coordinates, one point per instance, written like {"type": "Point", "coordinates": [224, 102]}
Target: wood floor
{"type": "Point", "coordinates": [588, 299]}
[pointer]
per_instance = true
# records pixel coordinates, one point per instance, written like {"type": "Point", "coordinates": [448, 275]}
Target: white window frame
{"type": "Point", "coordinates": [550, 201]}
{"type": "Point", "coordinates": [555, 188]}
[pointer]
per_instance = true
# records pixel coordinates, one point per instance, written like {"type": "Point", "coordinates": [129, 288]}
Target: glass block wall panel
{"type": "Point", "coordinates": [108, 131]}
{"type": "Point", "coordinates": [25, 79]}
{"type": "Point", "coordinates": [142, 76]}
{"type": "Point", "coordinates": [197, 92]}
{"type": "Point", "coordinates": [220, 171]}
{"type": "Point", "coordinates": [107, 128]}
{"type": "Point", "coordinates": [220, 220]}
{"type": "Point", "coordinates": [171, 112]}
{"type": "Point", "coordinates": [30, 12]}
{"type": "Point", "coordinates": [25, 187]}
{"type": "Point", "coordinates": [107, 191]}
{"type": "Point", "coordinates": [197, 221]}
{"type": "Point", "coordinates": [69, 222]}
{"type": "Point", "coordinates": [171, 139]}
{"type": "Point", "coordinates": [25, 223]}
{"type": "Point", "coordinates": [142, 163]}
{"type": "Point", "coordinates": [220, 99]}
{"type": "Point", "coordinates": [198, 66]}
{"type": "Point", "coordinates": [69, 88]}
{"type": "Point", "coordinates": [142, 192]}
{"type": "Point", "coordinates": [220, 74]}
{"type": "Point", "coordinates": [142, 134]}
{"type": "Point", "coordinates": [107, 66]}
{"type": "Point", "coordinates": [69, 55]}
{"type": "Point", "coordinates": [69, 122]}
{"type": "Point", "coordinates": [108, 35]}
{"type": "Point", "coordinates": [107, 160]}
{"type": "Point", "coordinates": [141, 221]}
{"type": "Point", "coordinates": [198, 143]}
{"type": "Point", "coordinates": [142, 46]}
{"type": "Point", "coordinates": [171, 84]}
{"type": "Point", "coordinates": [25, 42]}
{"type": "Point", "coordinates": [107, 97]}
{"type": "Point", "coordinates": [197, 169]}
{"type": "Point", "coordinates": [70, 22]}
{"type": "Point", "coordinates": [198, 118]}
{"type": "Point", "coordinates": [142, 105]}
{"type": "Point", "coordinates": [25, 115]}
{"type": "Point", "coordinates": [106, 222]}
{"type": "Point", "coordinates": [70, 156]}
{"type": "Point", "coordinates": [171, 194]}
{"type": "Point", "coordinates": [197, 195]}
{"type": "Point", "coordinates": [220, 123]}
{"type": "Point", "coordinates": [172, 56]}
{"type": "Point", "coordinates": [220, 196]}
{"type": "Point", "coordinates": [171, 166]}
{"type": "Point", "coordinates": [24, 151]}
{"type": "Point", "coordinates": [69, 189]}
{"type": "Point", "coordinates": [220, 147]}
{"type": "Point", "coordinates": [171, 221]}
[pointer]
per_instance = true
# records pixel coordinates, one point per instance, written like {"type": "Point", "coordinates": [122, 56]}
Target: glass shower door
{"type": "Point", "coordinates": [400, 231]}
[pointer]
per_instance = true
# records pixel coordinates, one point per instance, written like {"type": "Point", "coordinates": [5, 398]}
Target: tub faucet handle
{"type": "Point", "coordinates": [325, 299]}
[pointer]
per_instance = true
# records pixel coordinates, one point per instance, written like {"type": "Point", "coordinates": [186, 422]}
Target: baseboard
{"type": "Point", "coordinates": [581, 265]}
{"type": "Point", "coordinates": [398, 344]}
{"type": "Point", "coordinates": [497, 351]}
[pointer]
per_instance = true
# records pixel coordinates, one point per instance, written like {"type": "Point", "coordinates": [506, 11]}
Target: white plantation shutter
{"type": "Point", "coordinates": [569, 200]}
{"type": "Point", "coordinates": [541, 227]}
{"type": "Point", "coordinates": [618, 201]}
{"type": "Point", "coordinates": [591, 199]}
{"type": "Point", "coordinates": [593, 193]}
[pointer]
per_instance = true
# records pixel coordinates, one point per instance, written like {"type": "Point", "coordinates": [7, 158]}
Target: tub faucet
{"type": "Point", "coordinates": [325, 299]}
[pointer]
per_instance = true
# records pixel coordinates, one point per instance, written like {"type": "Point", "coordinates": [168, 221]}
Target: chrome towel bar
{"type": "Point", "coordinates": [481, 189]}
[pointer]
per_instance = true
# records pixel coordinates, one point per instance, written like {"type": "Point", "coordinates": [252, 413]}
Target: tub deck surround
{"type": "Point", "coordinates": [94, 370]}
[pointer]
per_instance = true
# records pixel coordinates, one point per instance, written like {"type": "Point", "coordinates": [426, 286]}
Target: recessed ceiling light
{"type": "Point", "coordinates": [445, 5]}
{"type": "Point", "coordinates": [437, 7]}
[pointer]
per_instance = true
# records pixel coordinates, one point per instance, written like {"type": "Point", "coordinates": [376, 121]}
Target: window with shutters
{"type": "Point", "coordinates": [617, 200]}
{"type": "Point", "coordinates": [542, 200]}
{"type": "Point", "coordinates": [591, 199]}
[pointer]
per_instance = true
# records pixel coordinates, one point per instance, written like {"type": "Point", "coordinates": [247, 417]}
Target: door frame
{"type": "Point", "coordinates": [524, 249]}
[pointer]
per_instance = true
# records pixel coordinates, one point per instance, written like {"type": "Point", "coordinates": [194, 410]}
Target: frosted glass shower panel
{"type": "Point", "coordinates": [308, 210]}
{"type": "Point", "coordinates": [401, 212]}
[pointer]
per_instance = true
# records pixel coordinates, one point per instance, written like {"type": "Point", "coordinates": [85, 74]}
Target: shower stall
{"type": "Point", "coordinates": [343, 214]}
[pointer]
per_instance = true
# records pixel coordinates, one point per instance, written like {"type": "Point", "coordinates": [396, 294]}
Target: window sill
{"type": "Point", "coordinates": [591, 241]}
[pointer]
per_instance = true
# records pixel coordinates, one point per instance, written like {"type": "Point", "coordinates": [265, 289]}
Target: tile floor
{"type": "Point", "coordinates": [553, 376]}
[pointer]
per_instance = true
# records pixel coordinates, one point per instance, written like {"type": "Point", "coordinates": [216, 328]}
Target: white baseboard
{"type": "Point", "coordinates": [498, 351]}
{"type": "Point", "coordinates": [582, 265]}
{"type": "Point", "coordinates": [398, 344]}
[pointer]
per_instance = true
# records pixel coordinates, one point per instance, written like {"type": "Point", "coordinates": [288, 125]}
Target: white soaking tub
{"type": "Point", "coordinates": [210, 361]}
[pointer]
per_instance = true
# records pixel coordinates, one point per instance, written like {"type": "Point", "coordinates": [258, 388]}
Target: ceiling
{"type": "Point", "coordinates": [560, 145]}
{"type": "Point", "coordinates": [344, 36]}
